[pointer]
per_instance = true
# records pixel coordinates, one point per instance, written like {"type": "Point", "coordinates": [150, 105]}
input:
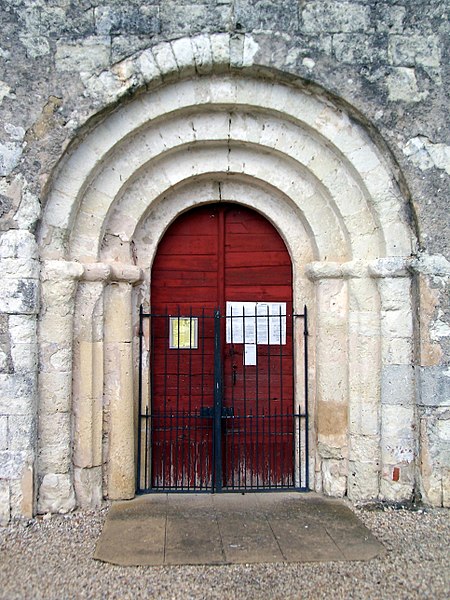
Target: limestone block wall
{"type": "Point", "coordinates": [66, 66]}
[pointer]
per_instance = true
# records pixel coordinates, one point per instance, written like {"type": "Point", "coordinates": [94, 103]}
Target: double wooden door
{"type": "Point", "coordinates": [221, 356]}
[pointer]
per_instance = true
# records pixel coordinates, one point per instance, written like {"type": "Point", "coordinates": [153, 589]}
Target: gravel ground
{"type": "Point", "coordinates": [52, 558]}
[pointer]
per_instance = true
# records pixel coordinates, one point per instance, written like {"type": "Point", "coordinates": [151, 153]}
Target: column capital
{"type": "Point", "coordinates": [115, 271]}
{"type": "Point", "coordinates": [323, 270]}
{"type": "Point", "coordinates": [126, 273]}
{"type": "Point", "coordinates": [390, 266]}
{"type": "Point", "coordinates": [435, 265]}
{"type": "Point", "coordinates": [353, 269]}
{"type": "Point", "coordinates": [57, 270]}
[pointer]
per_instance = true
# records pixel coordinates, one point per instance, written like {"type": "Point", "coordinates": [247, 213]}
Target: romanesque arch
{"type": "Point", "coordinates": [317, 175]}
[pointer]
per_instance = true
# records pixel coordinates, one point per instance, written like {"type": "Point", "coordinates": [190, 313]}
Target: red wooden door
{"type": "Point", "coordinates": [226, 257]}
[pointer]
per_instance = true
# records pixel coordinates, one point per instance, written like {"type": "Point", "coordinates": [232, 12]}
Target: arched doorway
{"type": "Point", "coordinates": [320, 178]}
{"type": "Point", "coordinates": [221, 410]}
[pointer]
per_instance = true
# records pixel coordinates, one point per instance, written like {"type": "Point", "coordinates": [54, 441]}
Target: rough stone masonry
{"type": "Point", "coordinates": [334, 119]}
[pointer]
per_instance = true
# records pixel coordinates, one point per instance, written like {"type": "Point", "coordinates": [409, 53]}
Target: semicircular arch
{"type": "Point", "coordinates": [280, 121]}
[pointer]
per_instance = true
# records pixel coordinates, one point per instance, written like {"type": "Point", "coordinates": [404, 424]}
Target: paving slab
{"type": "Point", "coordinates": [232, 528]}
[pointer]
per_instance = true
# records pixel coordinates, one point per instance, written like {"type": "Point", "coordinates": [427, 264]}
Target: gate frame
{"type": "Point", "coordinates": [218, 416]}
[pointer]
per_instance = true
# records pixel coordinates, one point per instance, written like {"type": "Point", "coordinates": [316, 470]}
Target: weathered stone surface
{"type": "Point", "coordinates": [434, 389]}
{"type": "Point", "coordinates": [364, 447]}
{"type": "Point", "coordinates": [126, 20]}
{"type": "Point", "coordinates": [363, 480]}
{"type": "Point", "coordinates": [334, 477]}
{"type": "Point", "coordinates": [398, 385]}
{"type": "Point", "coordinates": [397, 422]}
{"type": "Point", "coordinates": [55, 392]}
{"type": "Point", "coordinates": [22, 495]}
{"type": "Point", "coordinates": [17, 406]}
{"type": "Point", "coordinates": [15, 387]}
{"type": "Point", "coordinates": [89, 55]}
{"type": "Point", "coordinates": [390, 18]}
{"type": "Point", "coordinates": [19, 296]}
{"type": "Point", "coordinates": [184, 55]}
{"type": "Point", "coordinates": [21, 432]}
{"type": "Point", "coordinates": [397, 490]}
{"type": "Point", "coordinates": [359, 48]}
{"type": "Point", "coordinates": [3, 432]}
{"type": "Point", "coordinates": [178, 19]}
{"type": "Point", "coordinates": [402, 85]}
{"type": "Point", "coordinates": [412, 50]}
{"type": "Point", "coordinates": [391, 266]}
{"type": "Point", "coordinates": [66, 66]}
{"type": "Point", "coordinates": [56, 430]}
{"type": "Point", "coordinates": [5, 502]}
{"type": "Point", "coordinates": [57, 270]}
{"type": "Point", "coordinates": [119, 386]}
{"type": "Point", "coordinates": [334, 16]}
{"type": "Point", "coordinates": [22, 329]}
{"type": "Point", "coordinates": [29, 211]}
{"type": "Point", "coordinates": [203, 55]}
{"type": "Point", "coordinates": [18, 244]}
{"type": "Point", "coordinates": [54, 457]}
{"type": "Point", "coordinates": [425, 154]}
{"type": "Point", "coordinates": [11, 463]}
{"type": "Point", "coordinates": [10, 153]}
{"type": "Point", "coordinates": [56, 494]}
{"type": "Point", "coordinates": [88, 487]}
{"type": "Point", "coordinates": [255, 16]}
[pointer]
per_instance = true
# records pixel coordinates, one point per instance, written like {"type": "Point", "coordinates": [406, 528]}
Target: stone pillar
{"type": "Point", "coordinates": [88, 385]}
{"type": "Point", "coordinates": [398, 411]}
{"type": "Point", "coordinates": [118, 390]}
{"type": "Point", "coordinates": [331, 417]}
{"type": "Point", "coordinates": [364, 356]}
{"type": "Point", "coordinates": [432, 285]}
{"type": "Point", "coordinates": [19, 305]}
{"type": "Point", "coordinates": [58, 286]}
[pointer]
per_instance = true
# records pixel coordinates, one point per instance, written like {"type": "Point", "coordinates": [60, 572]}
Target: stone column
{"type": "Point", "coordinates": [364, 359]}
{"type": "Point", "coordinates": [118, 390]}
{"type": "Point", "coordinates": [398, 418]}
{"type": "Point", "coordinates": [58, 286]}
{"type": "Point", "coordinates": [88, 385]}
{"type": "Point", "coordinates": [331, 417]}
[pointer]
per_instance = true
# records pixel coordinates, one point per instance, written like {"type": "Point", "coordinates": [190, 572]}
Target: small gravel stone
{"type": "Point", "coordinates": [52, 559]}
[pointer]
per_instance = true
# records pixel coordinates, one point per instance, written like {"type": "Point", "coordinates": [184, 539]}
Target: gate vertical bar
{"type": "Point", "coordinates": [166, 421]}
{"type": "Point", "coordinates": [234, 439]}
{"type": "Point", "coordinates": [282, 418]}
{"type": "Point", "coordinates": [296, 449]}
{"type": "Point", "coordinates": [202, 474]}
{"type": "Point", "coordinates": [141, 333]}
{"type": "Point", "coordinates": [188, 420]}
{"type": "Point", "coordinates": [147, 478]}
{"type": "Point", "coordinates": [218, 387]}
{"type": "Point", "coordinates": [305, 354]}
{"type": "Point", "coordinates": [258, 416]}
{"type": "Point", "coordinates": [177, 417]}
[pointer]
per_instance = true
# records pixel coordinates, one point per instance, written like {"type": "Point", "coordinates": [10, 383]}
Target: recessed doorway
{"type": "Point", "coordinates": [223, 340]}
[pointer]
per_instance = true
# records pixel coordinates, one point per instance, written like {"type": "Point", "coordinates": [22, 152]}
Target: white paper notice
{"type": "Point", "coordinates": [241, 323]}
{"type": "Point", "coordinates": [250, 354]}
{"type": "Point", "coordinates": [256, 323]}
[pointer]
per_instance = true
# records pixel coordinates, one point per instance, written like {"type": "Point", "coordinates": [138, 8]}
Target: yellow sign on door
{"type": "Point", "coordinates": [183, 333]}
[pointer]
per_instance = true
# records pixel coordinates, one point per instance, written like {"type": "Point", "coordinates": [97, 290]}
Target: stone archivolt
{"type": "Point", "coordinates": [330, 192]}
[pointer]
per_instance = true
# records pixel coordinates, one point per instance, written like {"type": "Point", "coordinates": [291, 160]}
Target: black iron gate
{"type": "Point", "coordinates": [218, 410]}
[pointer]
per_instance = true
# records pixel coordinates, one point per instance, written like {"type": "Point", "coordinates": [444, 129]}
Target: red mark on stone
{"type": "Point", "coordinates": [396, 474]}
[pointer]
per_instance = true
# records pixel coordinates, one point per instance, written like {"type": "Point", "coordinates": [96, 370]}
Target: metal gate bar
{"type": "Point", "coordinates": [191, 443]}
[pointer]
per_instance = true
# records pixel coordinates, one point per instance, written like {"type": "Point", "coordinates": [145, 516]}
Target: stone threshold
{"type": "Point", "coordinates": [233, 528]}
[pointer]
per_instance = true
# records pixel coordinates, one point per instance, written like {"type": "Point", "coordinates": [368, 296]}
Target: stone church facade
{"type": "Point", "coordinates": [329, 118]}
